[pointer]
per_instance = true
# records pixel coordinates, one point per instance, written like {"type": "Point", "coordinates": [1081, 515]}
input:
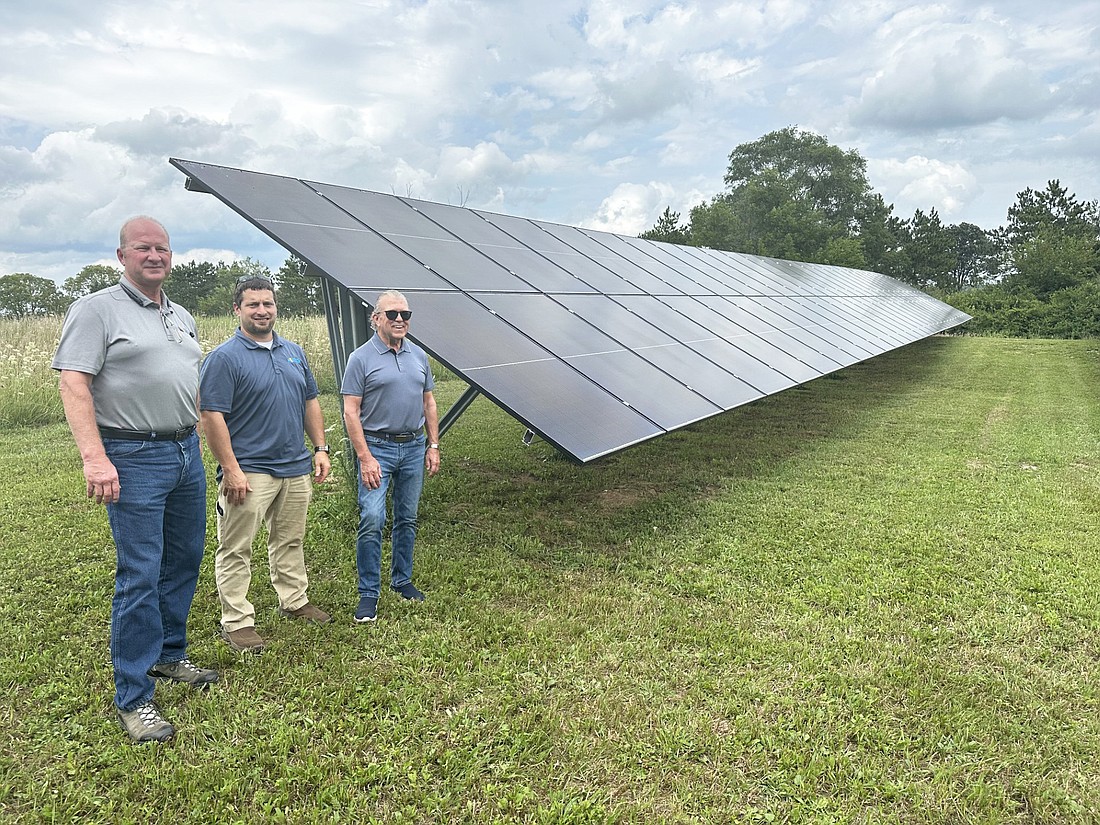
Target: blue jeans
{"type": "Point", "coordinates": [403, 471]}
{"type": "Point", "coordinates": [159, 527]}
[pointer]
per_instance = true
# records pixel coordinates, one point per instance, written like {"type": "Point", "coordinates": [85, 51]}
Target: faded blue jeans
{"type": "Point", "coordinates": [159, 527]}
{"type": "Point", "coordinates": [403, 473]}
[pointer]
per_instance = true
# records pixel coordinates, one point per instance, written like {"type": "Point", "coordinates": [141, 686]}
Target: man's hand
{"type": "Point", "coordinates": [322, 466]}
{"type": "Point", "coordinates": [235, 486]}
{"type": "Point", "coordinates": [370, 473]}
{"type": "Point", "coordinates": [102, 479]}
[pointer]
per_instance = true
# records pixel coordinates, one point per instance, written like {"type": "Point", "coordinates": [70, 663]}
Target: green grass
{"type": "Point", "coordinates": [870, 599]}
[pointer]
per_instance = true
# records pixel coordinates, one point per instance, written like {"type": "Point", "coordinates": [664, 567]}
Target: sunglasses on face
{"type": "Point", "coordinates": [393, 314]}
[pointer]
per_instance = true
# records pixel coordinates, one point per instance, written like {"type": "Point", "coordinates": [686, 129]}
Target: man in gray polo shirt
{"type": "Point", "coordinates": [388, 404]}
{"type": "Point", "coordinates": [129, 364]}
{"type": "Point", "coordinates": [258, 395]}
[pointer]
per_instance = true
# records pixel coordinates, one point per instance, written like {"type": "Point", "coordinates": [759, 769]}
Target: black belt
{"type": "Point", "coordinates": [138, 435]}
{"type": "Point", "coordinates": [396, 438]}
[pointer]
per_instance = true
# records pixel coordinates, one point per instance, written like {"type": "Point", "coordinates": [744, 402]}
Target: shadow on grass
{"type": "Point", "coordinates": [492, 489]}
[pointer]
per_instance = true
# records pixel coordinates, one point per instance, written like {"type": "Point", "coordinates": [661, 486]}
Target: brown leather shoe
{"type": "Point", "coordinates": [246, 640]}
{"type": "Point", "coordinates": [307, 612]}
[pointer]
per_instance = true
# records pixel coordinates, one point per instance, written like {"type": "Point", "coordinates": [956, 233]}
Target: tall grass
{"type": "Point", "coordinates": [28, 386]}
{"type": "Point", "coordinates": [870, 599]}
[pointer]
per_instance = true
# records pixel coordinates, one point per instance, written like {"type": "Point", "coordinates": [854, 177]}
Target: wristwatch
{"type": "Point", "coordinates": [433, 446]}
{"type": "Point", "coordinates": [322, 448]}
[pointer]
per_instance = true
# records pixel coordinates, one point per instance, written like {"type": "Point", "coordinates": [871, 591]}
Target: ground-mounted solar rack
{"type": "Point", "coordinates": [593, 341]}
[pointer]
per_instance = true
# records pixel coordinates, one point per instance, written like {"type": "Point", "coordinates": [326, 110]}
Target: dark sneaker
{"type": "Point", "coordinates": [367, 611]}
{"type": "Point", "coordinates": [307, 612]}
{"type": "Point", "coordinates": [245, 640]}
{"type": "Point", "coordinates": [408, 591]}
{"type": "Point", "coordinates": [145, 724]}
{"type": "Point", "coordinates": [184, 671]}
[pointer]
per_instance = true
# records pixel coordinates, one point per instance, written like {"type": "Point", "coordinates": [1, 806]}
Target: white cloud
{"type": "Point", "coordinates": [564, 112]}
{"type": "Point", "coordinates": [631, 208]}
{"type": "Point", "coordinates": [938, 75]}
{"type": "Point", "coordinates": [922, 183]}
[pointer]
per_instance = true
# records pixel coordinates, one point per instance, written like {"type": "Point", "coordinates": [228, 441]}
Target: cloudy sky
{"type": "Point", "coordinates": [595, 113]}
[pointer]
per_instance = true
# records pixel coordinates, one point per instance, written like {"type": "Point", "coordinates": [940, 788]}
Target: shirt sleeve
{"type": "Point", "coordinates": [216, 383]}
{"type": "Point", "coordinates": [83, 344]}
{"type": "Point", "coordinates": [353, 375]}
{"type": "Point", "coordinates": [311, 380]}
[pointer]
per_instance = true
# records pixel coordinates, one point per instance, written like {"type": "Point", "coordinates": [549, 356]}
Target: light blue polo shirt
{"type": "Point", "coordinates": [262, 393]}
{"type": "Point", "coordinates": [390, 384]}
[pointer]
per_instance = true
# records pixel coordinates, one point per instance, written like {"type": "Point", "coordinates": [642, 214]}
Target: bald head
{"type": "Point", "coordinates": [133, 226]}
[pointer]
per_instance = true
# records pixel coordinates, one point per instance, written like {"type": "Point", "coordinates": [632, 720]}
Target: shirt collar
{"type": "Point", "coordinates": [381, 347]}
{"type": "Point", "coordinates": [248, 342]}
{"type": "Point", "coordinates": [143, 300]}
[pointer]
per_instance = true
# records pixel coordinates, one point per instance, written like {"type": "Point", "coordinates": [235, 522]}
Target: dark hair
{"type": "Point", "coordinates": [251, 282]}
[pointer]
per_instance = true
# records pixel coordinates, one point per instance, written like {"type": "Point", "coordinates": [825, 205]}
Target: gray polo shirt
{"type": "Point", "coordinates": [144, 359]}
{"type": "Point", "coordinates": [391, 384]}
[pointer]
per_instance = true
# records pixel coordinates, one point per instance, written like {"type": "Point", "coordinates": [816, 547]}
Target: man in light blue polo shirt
{"type": "Point", "coordinates": [388, 405]}
{"type": "Point", "coordinates": [258, 396]}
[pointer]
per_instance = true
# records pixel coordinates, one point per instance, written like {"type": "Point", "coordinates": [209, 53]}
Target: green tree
{"type": "Point", "coordinates": [711, 224]}
{"type": "Point", "coordinates": [831, 182]}
{"type": "Point", "coordinates": [1053, 260]}
{"type": "Point", "coordinates": [844, 252]}
{"type": "Point", "coordinates": [23, 295]}
{"type": "Point", "coordinates": [668, 229]}
{"type": "Point", "coordinates": [1054, 208]}
{"type": "Point", "coordinates": [218, 300]}
{"type": "Point", "coordinates": [191, 283]}
{"type": "Point", "coordinates": [930, 247]}
{"type": "Point", "coordinates": [791, 194]}
{"type": "Point", "coordinates": [977, 257]}
{"type": "Point", "coordinates": [91, 278]}
{"type": "Point", "coordinates": [882, 238]}
{"type": "Point", "coordinates": [772, 220]}
{"type": "Point", "coordinates": [299, 292]}
{"type": "Point", "coordinates": [1053, 241]}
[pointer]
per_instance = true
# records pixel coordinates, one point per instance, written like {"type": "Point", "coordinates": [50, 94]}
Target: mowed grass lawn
{"type": "Point", "coordinates": [870, 599]}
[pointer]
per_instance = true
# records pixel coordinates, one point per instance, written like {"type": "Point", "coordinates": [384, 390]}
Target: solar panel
{"type": "Point", "coordinates": [593, 341]}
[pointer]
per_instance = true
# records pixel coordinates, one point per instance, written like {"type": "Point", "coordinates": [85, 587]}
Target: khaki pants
{"type": "Point", "coordinates": [280, 503]}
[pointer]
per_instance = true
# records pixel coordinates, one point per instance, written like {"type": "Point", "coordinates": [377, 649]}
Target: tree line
{"type": "Point", "coordinates": [793, 195]}
{"type": "Point", "coordinates": [202, 287]}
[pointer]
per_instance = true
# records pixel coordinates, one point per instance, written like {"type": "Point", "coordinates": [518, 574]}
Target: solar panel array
{"type": "Point", "coordinates": [592, 340]}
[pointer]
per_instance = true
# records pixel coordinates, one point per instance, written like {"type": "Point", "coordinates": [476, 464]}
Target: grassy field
{"type": "Point", "coordinates": [870, 599]}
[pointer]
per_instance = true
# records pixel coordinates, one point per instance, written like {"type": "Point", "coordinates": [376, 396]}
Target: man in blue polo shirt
{"type": "Point", "coordinates": [388, 403]}
{"type": "Point", "coordinates": [257, 396]}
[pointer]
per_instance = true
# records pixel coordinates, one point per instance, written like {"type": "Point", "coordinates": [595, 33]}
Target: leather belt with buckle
{"type": "Point", "coordinates": [147, 435]}
{"type": "Point", "coordinates": [396, 438]}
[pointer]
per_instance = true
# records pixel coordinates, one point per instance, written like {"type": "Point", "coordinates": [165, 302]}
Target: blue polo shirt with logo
{"type": "Point", "coordinates": [262, 393]}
